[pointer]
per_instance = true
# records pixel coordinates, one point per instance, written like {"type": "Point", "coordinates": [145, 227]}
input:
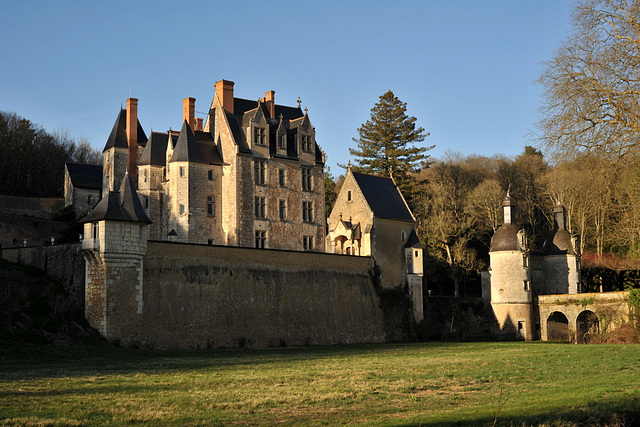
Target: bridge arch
{"type": "Point", "coordinates": [587, 325]}
{"type": "Point", "coordinates": [557, 327]}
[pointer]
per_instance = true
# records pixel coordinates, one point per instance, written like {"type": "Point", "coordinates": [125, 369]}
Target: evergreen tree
{"type": "Point", "coordinates": [386, 141]}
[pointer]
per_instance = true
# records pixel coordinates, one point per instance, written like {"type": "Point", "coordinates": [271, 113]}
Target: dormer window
{"type": "Point", "coordinates": [282, 141]}
{"type": "Point", "coordinates": [306, 142]}
{"type": "Point", "coordinates": [259, 136]}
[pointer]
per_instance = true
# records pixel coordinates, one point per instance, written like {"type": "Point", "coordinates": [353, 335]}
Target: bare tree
{"type": "Point", "coordinates": [592, 84]}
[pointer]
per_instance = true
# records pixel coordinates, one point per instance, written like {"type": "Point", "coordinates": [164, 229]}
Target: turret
{"type": "Point", "coordinates": [114, 246]}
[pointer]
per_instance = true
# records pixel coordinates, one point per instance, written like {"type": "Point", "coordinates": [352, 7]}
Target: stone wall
{"type": "Point", "coordinates": [62, 262]}
{"type": "Point", "coordinates": [198, 296]}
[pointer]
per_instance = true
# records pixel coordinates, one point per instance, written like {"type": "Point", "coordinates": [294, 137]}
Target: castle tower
{"type": "Point", "coordinates": [415, 270]}
{"type": "Point", "coordinates": [193, 188]}
{"type": "Point", "coordinates": [120, 153]}
{"type": "Point", "coordinates": [509, 277]}
{"type": "Point", "coordinates": [561, 258]}
{"type": "Point", "coordinates": [114, 246]}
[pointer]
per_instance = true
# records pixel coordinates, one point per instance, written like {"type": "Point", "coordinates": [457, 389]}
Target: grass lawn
{"type": "Point", "coordinates": [392, 384]}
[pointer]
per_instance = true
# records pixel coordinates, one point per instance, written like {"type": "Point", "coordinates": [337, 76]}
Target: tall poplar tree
{"type": "Point", "coordinates": [386, 143]}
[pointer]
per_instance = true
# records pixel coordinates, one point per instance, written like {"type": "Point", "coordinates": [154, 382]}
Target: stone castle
{"type": "Point", "coordinates": [171, 234]}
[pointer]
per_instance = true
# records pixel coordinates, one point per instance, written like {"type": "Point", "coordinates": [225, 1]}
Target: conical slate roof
{"type": "Point", "coordinates": [118, 136]}
{"type": "Point", "coordinates": [123, 205]}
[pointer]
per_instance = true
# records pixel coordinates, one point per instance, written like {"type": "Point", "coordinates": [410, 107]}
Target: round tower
{"type": "Point", "coordinates": [509, 276]}
{"type": "Point", "coordinates": [561, 257]}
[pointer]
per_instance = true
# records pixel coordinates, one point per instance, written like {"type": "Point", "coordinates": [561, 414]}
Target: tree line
{"type": "Point", "coordinates": [590, 135]}
{"type": "Point", "coordinates": [32, 159]}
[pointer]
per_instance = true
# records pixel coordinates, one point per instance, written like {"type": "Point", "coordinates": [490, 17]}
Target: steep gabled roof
{"type": "Point", "coordinates": [118, 136]}
{"type": "Point", "coordinates": [195, 148]}
{"type": "Point", "coordinates": [85, 176]}
{"type": "Point", "coordinates": [383, 197]}
{"type": "Point", "coordinates": [238, 136]}
{"type": "Point", "coordinates": [154, 152]}
{"type": "Point", "coordinates": [123, 205]}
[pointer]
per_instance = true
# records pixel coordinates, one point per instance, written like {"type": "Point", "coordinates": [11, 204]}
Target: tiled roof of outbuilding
{"type": "Point", "coordinates": [85, 176]}
{"type": "Point", "coordinates": [383, 197]}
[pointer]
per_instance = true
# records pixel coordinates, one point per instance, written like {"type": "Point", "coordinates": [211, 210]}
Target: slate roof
{"type": "Point", "coordinates": [155, 152]}
{"type": "Point", "coordinates": [85, 176]}
{"type": "Point", "coordinates": [413, 241]}
{"type": "Point", "coordinates": [505, 239]}
{"type": "Point", "coordinates": [195, 148]}
{"type": "Point", "coordinates": [123, 205]}
{"type": "Point", "coordinates": [118, 136]}
{"type": "Point", "coordinates": [383, 197]}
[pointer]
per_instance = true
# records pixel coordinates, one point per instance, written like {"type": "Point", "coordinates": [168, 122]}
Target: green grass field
{"type": "Point", "coordinates": [393, 384]}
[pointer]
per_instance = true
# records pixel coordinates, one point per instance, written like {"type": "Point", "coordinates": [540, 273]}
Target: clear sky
{"type": "Point", "coordinates": [465, 68]}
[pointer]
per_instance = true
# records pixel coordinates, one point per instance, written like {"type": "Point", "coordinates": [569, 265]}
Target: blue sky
{"type": "Point", "coordinates": [466, 69]}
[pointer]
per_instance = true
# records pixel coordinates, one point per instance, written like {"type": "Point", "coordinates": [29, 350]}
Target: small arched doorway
{"type": "Point", "coordinates": [587, 326]}
{"type": "Point", "coordinates": [557, 327]}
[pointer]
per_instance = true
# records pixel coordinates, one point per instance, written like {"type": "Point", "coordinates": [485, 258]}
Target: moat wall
{"type": "Point", "coordinates": [198, 296]}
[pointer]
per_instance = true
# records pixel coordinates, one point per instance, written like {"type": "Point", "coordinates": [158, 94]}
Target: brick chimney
{"type": "Point", "coordinates": [189, 111]}
{"type": "Point", "coordinates": [270, 100]}
{"type": "Point", "coordinates": [132, 135]}
{"type": "Point", "coordinates": [224, 90]}
{"type": "Point", "coordinates": [199, 121]}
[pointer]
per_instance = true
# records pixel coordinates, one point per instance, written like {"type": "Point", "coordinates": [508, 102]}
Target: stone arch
{"type": "Point", "coordinates": [587, 325]}
{"type": "Point", "coordinates": [557, 327]}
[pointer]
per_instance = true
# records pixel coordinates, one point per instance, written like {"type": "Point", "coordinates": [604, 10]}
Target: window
{"type": "Point", "coordinates": [94, 231]}
{"type": "Point", "coordinates": [282, 209]}
{"type": "Point", "coordinates": [146, 175]}
{"type": "Point", "coordinates": [261, 239]}
{"type": "Point", "coordinates": [210, 175]}
{"type": "Point", "coordinates": [306, 142]}
{"type": "Point", "coordinates": [183, 209]}
{"type": "Point", "coordinates": [349, 196]}
{"type": "Point", "coordinates": [306, 179]}
{"type": "Point", "coordinates": [282, 141]}
{"type": "Point", "coordinates": [282, 177]}
{"type": "Point", "coordinates": [259, 171]}
{"type": "Point", "coordinates": [307, 243]}
{"type": "Point", "coordinates": [183, 171]}
{"type": "Point", "coordinates": [259, 136]}
{"type": "Point", "coordinates": [210, 206]}
{"type": "Point", "coordinates": [260, 206]}
{"type": "Point", "coordinates": [210, 242]}
{"type": "Point", "coordinates": [89, 199]}
{"type": "Point", "coordinates": [146, 203]}
{"type": "Point", "coordinates": [403, 236]}
{"type": "Point", "coordinates": [307, 211]}
{"type": "Point", "coordinates": [526, 286]}
{"type": "Point", "coordinates": [417, 254]}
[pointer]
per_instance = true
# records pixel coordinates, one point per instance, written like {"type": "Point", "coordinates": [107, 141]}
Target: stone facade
{"type": "Point", "coordinates": [518, 275]}
{"type": "Point", "coordinates": [371, 218]}
{"type": "Point", "coordinates": [252, 175]}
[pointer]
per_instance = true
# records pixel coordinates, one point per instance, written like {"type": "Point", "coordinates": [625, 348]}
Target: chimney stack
{"type": "Point", "coordinates": [224, 90]}
{"type": "Point", "coordinates": [270, 100]}
{"type": "Point", "coordinates": [132, 135]}
{"type": "Point", "coordinates": [189, 111]}
{"type": "Point", "coordinates": [199, 121]}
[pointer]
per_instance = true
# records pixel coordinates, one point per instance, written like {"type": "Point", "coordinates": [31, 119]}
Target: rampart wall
{"type": "Point", "coordinates": [64, 263]}
{"type": "Point", "coordinates": [199, 296]}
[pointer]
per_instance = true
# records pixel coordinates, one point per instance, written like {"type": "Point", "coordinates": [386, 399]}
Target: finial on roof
{"type": "Point", "coordinates": [299, 102]}
{"type": "Point", "coordinates": [305, 110]}
{"type": "Point", "coordinates": [509, 190]}
{"type": "Point", "coordinates": [340, 216]}
{"type": "Point", "coordinates": [349, 165]}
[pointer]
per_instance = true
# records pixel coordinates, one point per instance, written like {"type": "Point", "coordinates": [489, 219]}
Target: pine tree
{"type": "Point", "coordinates": [386, 141]}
